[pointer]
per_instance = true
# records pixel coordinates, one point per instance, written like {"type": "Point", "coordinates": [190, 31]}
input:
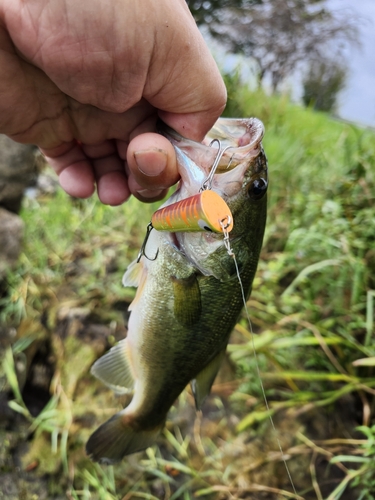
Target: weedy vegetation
{"type": "Point", "coordinates": [312, 314]}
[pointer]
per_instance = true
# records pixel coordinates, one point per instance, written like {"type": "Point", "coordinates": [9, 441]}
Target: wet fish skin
{"type": "Point", "coordinates": [188, 299]}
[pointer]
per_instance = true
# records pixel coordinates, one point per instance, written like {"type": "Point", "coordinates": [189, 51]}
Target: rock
{"type": "Point", "coordinates": [11, 232]}
{"type": "Point", "coordinates": [18, 169]}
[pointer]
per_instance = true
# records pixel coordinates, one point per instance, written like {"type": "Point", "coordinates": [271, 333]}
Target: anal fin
{"type": "Point", "coordinates": [114, 369]}
{"type": "Point", "coordinates": [202, 384]}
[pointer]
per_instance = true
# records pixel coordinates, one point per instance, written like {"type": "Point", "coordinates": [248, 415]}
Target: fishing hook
{"type": "Point", "coordinates": [142, 251]}
{"type": "Point", "coordinates": [207, 183]}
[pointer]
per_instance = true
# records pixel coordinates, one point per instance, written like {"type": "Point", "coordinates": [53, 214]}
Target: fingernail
{"type": "Point", "coordinates": [151, 162]}
{"type": "Point", "coordinates": [148, 193]}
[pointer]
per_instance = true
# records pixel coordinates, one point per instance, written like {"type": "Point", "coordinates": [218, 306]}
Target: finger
{"type": "Point", "coordinates": [152, 162]}
{"type": "Point", "coordinates": [186, 86]}
{"type": "Point", "coordinates": [75, 171]}
{"type": "Point", "coordinates": [146, 195]}
{"type": "Point", "coordinates": [193, 126]}
{"type": "Point", "coordinates": [111, 180]}
{"type": "Point", "coordinates": [109, 171]}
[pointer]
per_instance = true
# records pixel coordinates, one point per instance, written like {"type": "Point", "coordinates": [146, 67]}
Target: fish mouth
{"type": "Point", "coordinates": [224, 162]}
{"type": "Point", "coordinates": [242, 137]}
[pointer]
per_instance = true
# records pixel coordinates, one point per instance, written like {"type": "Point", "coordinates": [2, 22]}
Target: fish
{"type": "Point", "coordinates": [188, 297]}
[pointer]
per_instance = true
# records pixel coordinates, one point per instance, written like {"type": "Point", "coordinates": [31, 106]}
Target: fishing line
{"type": "Point", "coordinates": [232, 254]}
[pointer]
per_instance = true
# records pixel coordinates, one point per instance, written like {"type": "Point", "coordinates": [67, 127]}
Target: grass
{"type": "Point", "coordinates": [312, 312]}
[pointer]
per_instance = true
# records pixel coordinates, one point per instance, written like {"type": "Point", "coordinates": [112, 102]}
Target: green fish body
{"type": "Point", "coordinates": [188, 298]}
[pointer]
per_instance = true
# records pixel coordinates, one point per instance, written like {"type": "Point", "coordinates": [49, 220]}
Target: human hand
{"type": "Point", "coordinates": [86, 82]}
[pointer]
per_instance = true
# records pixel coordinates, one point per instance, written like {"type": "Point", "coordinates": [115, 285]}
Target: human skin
{"type": "Point", "coordinates": [86, 81]}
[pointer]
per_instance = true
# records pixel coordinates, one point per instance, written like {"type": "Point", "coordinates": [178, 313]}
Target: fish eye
{"type": "Point", "coordinates": [257, 189]}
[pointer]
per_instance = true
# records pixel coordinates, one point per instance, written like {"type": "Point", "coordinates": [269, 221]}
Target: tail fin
{"type": "Point", "coordinates": [113, 440]}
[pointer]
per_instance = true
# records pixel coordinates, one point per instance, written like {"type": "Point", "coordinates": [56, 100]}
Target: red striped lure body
{"type": "Point", "coordinates": [205, 211]}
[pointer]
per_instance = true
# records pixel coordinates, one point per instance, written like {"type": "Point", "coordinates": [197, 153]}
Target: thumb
{"type": "Point", "coordinates": [193, 125]}
{"type": "Point", "coordinates": [184, 83]}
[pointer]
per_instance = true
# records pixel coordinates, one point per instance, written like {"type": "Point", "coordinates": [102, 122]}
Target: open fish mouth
{"type": "Point", "coordinates": [228, 162]}
{"type": "Point", "coordinates": [241, 137]}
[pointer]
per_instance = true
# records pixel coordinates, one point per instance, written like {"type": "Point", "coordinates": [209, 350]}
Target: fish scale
{"type": "Point", "coordinates": [189, 298]}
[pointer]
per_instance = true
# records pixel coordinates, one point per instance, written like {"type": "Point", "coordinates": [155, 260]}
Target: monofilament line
{"type": "Point", "coordinates": [260, 378]}
{"type": "Point", "coordinates": [231, 253]}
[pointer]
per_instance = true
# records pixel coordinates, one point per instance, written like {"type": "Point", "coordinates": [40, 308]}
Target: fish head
{"type": "Point", "coordinates": [240, 178]}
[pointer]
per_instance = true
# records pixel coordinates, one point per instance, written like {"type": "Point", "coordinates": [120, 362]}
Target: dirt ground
{"type": "Point", "coordinates": [59, 359]}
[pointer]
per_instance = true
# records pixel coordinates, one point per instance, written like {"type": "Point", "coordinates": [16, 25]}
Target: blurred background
{"type": "Point", "coordinates": [306, 49]}
{"type": "Point", "coordinates": [306, 68]}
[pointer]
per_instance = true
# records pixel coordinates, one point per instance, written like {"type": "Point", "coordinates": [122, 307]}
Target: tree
{"type": "Point", "coordinates": [279, 35]}
{"type": "Point", "coordinates": [207, 11]}
{"type": "Point", "coordinates": [322, 83]}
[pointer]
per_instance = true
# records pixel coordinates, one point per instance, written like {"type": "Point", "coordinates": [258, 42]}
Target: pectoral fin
{"type": "Point", "coordinates": [133, 274]}
{"type": "Point", "coordinates": [187, 300]}
{"type": "Point", "coordinates": [202, 384]}
{"type": "Point", "coordinates": [114, 369]}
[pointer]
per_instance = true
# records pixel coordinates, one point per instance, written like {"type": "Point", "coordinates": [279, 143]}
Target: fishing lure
{"type": "Point", "coordinates": [205, 211]}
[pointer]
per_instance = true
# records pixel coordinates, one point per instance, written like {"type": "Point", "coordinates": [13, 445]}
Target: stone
{"type": "Point", "coordinates": [18, 170]}
{"type": "Point", "coordinates": [11, 232]}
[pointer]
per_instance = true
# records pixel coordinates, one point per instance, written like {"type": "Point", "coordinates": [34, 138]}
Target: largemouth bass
{"type": "Point", "coordinates": [189, 298]}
